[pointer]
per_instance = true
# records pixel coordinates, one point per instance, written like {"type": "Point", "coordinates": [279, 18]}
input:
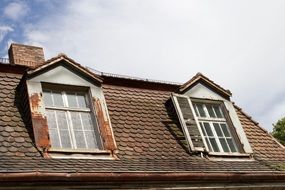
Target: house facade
{"type": "Point", "coordinates": [65, 126]}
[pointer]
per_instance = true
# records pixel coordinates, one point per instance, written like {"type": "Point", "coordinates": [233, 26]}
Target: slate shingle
{"type": "Point", "coordinates": [145, 138]}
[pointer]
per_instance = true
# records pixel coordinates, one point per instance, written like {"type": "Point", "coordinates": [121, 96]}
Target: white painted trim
{"type": "Point", "coordinates": [198, 124]}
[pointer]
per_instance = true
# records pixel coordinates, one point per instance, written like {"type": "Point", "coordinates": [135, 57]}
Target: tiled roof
{"type": "Point", "coordinates": [15, 137]}
{"type": "Point", "coordinates": [265, 148]}
{"type": "Point", "coordinates": [147, 133]}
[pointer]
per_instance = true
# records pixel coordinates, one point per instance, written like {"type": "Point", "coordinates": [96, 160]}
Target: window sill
{"type": "Point", "coordinates": [229, 156]}
{"type": "Point", "coordinates": [80, 154]}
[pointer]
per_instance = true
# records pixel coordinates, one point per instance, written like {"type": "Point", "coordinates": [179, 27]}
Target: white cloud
{"type": "Point", "coordinates": [239, 44]}
{"type": "Point", "coordinates": [4, 30]}
{"type": "Point", "coordinates": [16, 10]}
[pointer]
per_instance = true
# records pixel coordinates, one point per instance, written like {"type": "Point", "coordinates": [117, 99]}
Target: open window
{"type": "Point", "coordinates": [209, 120]}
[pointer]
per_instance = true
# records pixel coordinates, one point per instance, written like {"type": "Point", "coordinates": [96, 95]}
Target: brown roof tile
{"type": "Point", "coordinates": [149, 138]}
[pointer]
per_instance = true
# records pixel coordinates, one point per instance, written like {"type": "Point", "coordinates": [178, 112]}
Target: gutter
{"type": "Point", "coordinates": [263, 177]}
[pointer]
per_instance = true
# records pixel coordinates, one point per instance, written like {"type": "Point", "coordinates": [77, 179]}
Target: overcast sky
{"type": "Point", "coordinates": [238, 44]}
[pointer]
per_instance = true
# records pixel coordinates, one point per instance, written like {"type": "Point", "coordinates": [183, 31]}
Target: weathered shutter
{"type": "Point", "coordinates": [104, 126]}
{"type": "Point", "coordinates": [39, 122]}
{"type": "Point", "coordinates": [188, 122]}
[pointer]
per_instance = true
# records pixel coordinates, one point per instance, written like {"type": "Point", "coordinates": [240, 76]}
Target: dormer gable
{"type": "Point", "coordinates": [202, 79]}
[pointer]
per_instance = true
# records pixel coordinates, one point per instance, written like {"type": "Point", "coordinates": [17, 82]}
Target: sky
{"type": "Point", "coordinates": [238, 44]}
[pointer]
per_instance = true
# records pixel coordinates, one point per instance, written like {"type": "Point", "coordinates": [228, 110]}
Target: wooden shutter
{"type": "Point", "coordinates": [189, 123]}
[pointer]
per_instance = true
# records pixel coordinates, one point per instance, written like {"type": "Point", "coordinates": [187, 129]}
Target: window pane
{"type": "Point", "coordinates": [203, 130]}
{"type": "Point", "coordinates": [80, 141]}
{"type": "Point", "coordinates": [209, 146]}
{"type": "Point", "coordinates": [210, 111]}
{"type": "Point", "coordinates": [214, 145]}
{"type": "Point", "coordinates": [218, 111]}
{"type": "Point", "coordinates": [87, 122]}
{"type": "Point", "coordinates": [90, 138]}
{"type": "Point", "coordinates": [71, 98]}
{"type": "Point", "coordinates": [54, 138]}
{"type": "Point", "coordinates": [51, 119]}
{"type": "Point", "coordinates": [224, 145]}
{"type": "Point", "coordinates": [225, 130]}
{"type": "Point", "coordinates": [76, 123]}
{"type": "Point", "coordinates": [81, 101]}
{"type": "Point", "coordinates": [231, 144]}
{"type": "Point", "coordinates": [218, 130]}
{"type": "Point", "coordinates": [65, 139]}
{"type": "Point", "coordinates": [208, 129]}
{"type": "Point", "coordinates": [57, 99]}
{"type": "Point", "coordinates": [200, 110]}
{"type": "Point", "coordinates": [61, 120]}
{"type": "Point", "coordinates": [48, 98]}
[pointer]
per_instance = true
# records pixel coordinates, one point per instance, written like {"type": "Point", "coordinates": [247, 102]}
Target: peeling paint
{"type": "Point", "coordinates": [35, 101]}
{"type": "Point", "coordinates": [39, 122]}
{"type": "Point", "coordinates": [104, 126]}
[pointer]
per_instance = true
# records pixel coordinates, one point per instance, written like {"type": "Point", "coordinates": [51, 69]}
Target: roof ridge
{"type": "Point", "coordinates": [131, 77]}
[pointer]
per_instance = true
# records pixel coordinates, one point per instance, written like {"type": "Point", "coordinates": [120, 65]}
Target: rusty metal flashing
{"type": "Point", "coordinates": [199, 77]}
{"type": "Point", "coordinates": [69, 61]}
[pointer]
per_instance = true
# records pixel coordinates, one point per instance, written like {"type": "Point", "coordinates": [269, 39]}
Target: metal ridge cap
{"type": "Point", "coordinates": [132, 78]}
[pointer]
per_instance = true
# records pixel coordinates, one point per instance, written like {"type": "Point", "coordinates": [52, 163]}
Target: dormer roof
{"type": "Point", "coordinates": [200, 78]}
{"type": "Point", "coordinates": [64, 60]}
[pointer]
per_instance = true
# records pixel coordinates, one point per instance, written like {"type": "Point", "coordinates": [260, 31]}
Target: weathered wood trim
{"type": "Point", "coordinates": [39, 122]}
{"type": "Point", "coordinates": [104, 125]}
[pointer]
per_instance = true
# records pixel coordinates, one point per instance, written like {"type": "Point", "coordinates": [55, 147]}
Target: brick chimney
{"type": "Point", "coordinates": [26, 55]}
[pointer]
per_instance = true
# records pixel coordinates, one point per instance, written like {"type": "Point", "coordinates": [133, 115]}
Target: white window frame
{"type": "Point", "coordinates": [210, 120]}
{"type": "Point", "coordinates": [67, 110]}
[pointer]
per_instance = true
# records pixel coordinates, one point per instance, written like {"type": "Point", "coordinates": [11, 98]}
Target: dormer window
{"type": "Point", "coordinates": [208, 119]}
{"type": "Point", "coordinates": [68, 111]}
{"type": "Point", "coordinates": [214, 126]}
{"type": "Point", "coordinates": [71, 122]}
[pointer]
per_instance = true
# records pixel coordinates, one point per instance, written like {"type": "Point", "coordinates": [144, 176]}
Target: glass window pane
{"type": "Point", "coordinates": [209, 146]}
{"type": "Point", "coordinates": [54, 138]}
{"type": "Point", "coordinates": [81, 101]}
{"type": "Point", "coordinates": [214, 145]}
{"type": "Point", "coordinates": [218, 129]}
{"type": "Point", "coordinates": [231, 144]}
{"type": "Point", "coordinates": [208, 129]}
{"type": "Point", "coordinates": [203, 130]}
{"type": "Point", "coordinates": [51, 119]}
{"type": "Point", "coordinates": [65, 139]}
{"type": "Point", "coordinates": [57, 99]}
{"type": "Point", "coordinates": [90, 138]}
{"type": "Point", "coordinates": [48, 98]}
{"type": "Point", "coordinates": [76, 123]}
{"type": "Point", "coordinates": [61, 119]}
{"type": "Point", "coordinates": [218, 111]}
{"type": "Point", "coordinates": [200, 110]}
{"type": "Point", "coordinates": [210, 111]}
{"type": "Point", "coordinates": [80, 141]}
{"type": "Point", "coordinates": [87, 121]}
{"type": "Point", "coordinates": [224, 145]}
{"type": "Point", "coordinates": [71, 98]}
{"type": "Point", "coordinates": [225, 130]}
